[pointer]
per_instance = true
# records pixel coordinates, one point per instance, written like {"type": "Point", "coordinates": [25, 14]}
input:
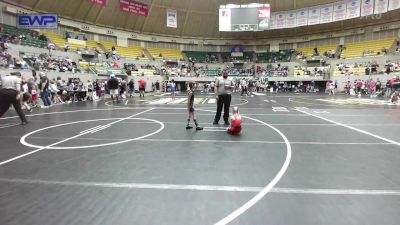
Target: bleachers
{"type": "Point", "coordinates": [11, 30]}
{"type": "Point", "coordinates": [271, 57]}
{"type": "Point", "coordinates": [308, 52]}
{"type": "Point", "coordinates": [131, 51]}
{"type": "Point", "coordinates": [91, 44]}
{"type": "Point", "coordinates": [212, 72]}
{"type": "Point", "coordinates": [34, 43]}
{"type": "Point", "coordinates": [349, 71]}
{"type": "Point", "coordinates": [146, 72]}
{"type": "Point", "coordinates": [309, 71]}
{"type": "Point", "coordinates": [201, 57]}
{"type": "Point", "coordinates": [170, 54]}
{"type": "Point", "coordinates": [59, 41]}
{"type": "Point", "coordinates": [370, 48]}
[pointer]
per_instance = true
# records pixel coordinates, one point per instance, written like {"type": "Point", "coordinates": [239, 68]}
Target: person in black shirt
{"type": "Point", "coordinates": [378, 85]}
{"type": "Point", "coordinates": [113, 85]}
{"type": "Point", "coordinates": [157, 87]}
{"type": "Point", "coordinates": [44, 89]}
{"type": "Point", "coordinates": [131, 90]}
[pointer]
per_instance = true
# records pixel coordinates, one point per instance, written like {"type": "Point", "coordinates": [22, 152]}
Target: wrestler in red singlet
{"type": "Point", "coordinates": [236, 122]}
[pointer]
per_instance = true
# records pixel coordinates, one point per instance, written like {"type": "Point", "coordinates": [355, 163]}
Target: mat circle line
{"type": "Point", "coordinates": [239, 211]}
{"type": "Point", "coordinates": [24, 142]}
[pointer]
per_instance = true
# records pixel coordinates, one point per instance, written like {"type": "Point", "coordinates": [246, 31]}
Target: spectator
{"type": "Point", "coordinates": [44, 89]}
{"type": "Point", "coordinates": [66, 47]}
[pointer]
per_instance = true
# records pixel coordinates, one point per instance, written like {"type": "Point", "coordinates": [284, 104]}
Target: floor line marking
{"type": "Point", "coordinates": [90, 129]}
{"type": "Point", "coordinates": [24, 138]}
{"type": "Point", "coordinates": [203, 187]}
{"type": "Point", "coordinates": [352, 128]}
{"type": "Point", "coordinates": [9, 125]}
{"type": "Point", "coordinates": [204, 101]}
{"type": "Point", "coordinates": [251, 124]}
{"type": "Point", "coordinates": [213, 130]}
{"type": "Point", "coordinates": [208, 140]}
{"type": "Point", "coordinates": [99, 129]}
{"type": "Point", "coordinates": [212, 101]}
{"type": "Point", "coordinates": [62, 141]}
{"type": "Point", "coordinates": [239, 211]}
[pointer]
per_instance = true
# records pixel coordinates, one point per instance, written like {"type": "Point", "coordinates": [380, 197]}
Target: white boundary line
{"type": "Point", "coordinates": [9, 125]}
{"type": "Point", "coordinates": [229, 218]}
{"type": "Point", "coordinates": [205, 141]}
{"type": "Point", "coordinates": [90, 129]}
{"type": "Point", "coordinates": [248, 124]}
{"type": "Point", "coordinates": [203, 187]}
{"type": "Point", "coordinates": [118, 141]}
{"type": "Point", "coordinates": [352, 128]}
{"type": "Point", "coordinates": [64, 140]}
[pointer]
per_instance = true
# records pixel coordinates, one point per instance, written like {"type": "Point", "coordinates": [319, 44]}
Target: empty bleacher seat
{"type": "Point", "coordinates": [367, 48]}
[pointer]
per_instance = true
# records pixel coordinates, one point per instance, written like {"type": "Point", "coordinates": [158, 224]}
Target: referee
{"type": "Point", "coordinates": [10, 94]}
{"type": "Point", "coordinates": [223, 91]}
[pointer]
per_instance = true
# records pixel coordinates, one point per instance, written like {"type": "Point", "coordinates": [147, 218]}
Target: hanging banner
{"type": "Point", "coordinates": [99, 2]}
{"type": "Point", "coordinates": [326, 13]}
{"type": "Point", "coordinates": [224, 19]}
{"type": "Point", "coordinates": [394, 4]}
{"type": "Point", "coordinates": [367, 7]}
{"type": "Point", "coordinates": [280, 20]}
{"type": "Point", "coordinates": [291, 19]}
{"type": "Point", "coordinates": [172, 18]}
{"type": "Point", "coordinates": [272, 21]}
{"type": "Point", "coordinates": [339, 11]}
{"type": "Point", "coordinates": [133, 7]}
{"type": "Point", "coordinates": [353, 9]}
{"type": "Point", "coordinates": [302, 17]}
{"type": "Point", "coordinates": [381, 6]}
{"type": "Point", "coordinates": [264, 14]}
{"type": "Point", "coordinates": [313, 15]}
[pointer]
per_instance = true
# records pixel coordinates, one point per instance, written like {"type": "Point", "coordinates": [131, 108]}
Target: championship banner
{"type": "Point", "coordinates": [133, 7]}
{"type": "Point", "coordinates": [280, 20]}
{"type": "Point", "coordinates": [302, 17]}
{"type": "Point", "coordinates": [172, 18]}
{"type": "Point", "coordinates": [313, 15]}
{"type": "Point", "coordinates": [367, 7]}
{"type": "Point", "coordinates": [224, 19]}
{"type": "Point", "coordinates": [353, 9]}
{"type": "Point", "coordinates": [326, 13]}
{"type": "Point", "coordinates": [272, 21]}
{"type": "Point", "coordinates": [339, 11]}
{"type": "Point", "coordinates": [291, 19]}
{"type": "Point", "coordinates": [381, 6]}
{"type": "Point", "coordinates": [99, 2]}
{"type": "Point", "coordinates": [264, 14]}
{"type": "Point", "coordinates": [394, 4]}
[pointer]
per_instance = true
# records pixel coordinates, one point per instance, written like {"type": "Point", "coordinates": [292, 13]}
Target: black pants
{"type": "Point", "coordinates": [244, 90]}
{"type": "Point", "coordinates": [225, 101]}
{"type": "Point", "coordinates": [8, 97]}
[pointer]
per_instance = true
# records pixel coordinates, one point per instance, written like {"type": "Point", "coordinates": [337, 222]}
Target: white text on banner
{"type": "Point", "coordinates": [313, 15]}
{"type": "Point", "coordinates": [339, 11]}
{"type": "Point", "coordinates": [326, 13]}
{"type": "Point", "coordinates": [302, 17]}
{"type": "Point", "coordinates": [381, 6]}
{"type": "Point", "coordinates": [353, 9]}
{"type": "Point", "coordinates": [367, 7]}
{"type": "Point", "coordinates": [394, 4]}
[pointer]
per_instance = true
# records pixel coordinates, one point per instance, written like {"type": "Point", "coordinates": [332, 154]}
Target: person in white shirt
{"type": "Point", "coordinates": [10, 95]}
{"type": "Point", "coordinates": [223, 91]}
